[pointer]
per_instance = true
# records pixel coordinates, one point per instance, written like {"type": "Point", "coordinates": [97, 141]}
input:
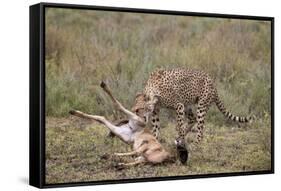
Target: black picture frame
{"type": "Point", "coordinates": [37, 93]}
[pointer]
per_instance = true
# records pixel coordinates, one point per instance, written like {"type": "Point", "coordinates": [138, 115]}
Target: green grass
{"type": "Point", "coordinates": [77, 150]}
{"type": "Point", "coordinates": [85, 47]}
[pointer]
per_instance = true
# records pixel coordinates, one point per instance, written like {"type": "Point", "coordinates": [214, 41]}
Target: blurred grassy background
{"type": "Point", "coordinates": [84, 47]}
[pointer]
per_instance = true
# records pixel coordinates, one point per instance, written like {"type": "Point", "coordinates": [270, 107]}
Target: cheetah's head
{"type": "Point", "coordinates": [139, 105]}
{"type": "Point", "coordinates": [144, 106]}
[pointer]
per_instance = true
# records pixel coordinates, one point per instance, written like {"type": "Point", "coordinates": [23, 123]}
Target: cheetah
{"type": "Point", "coordinates": [179, 89]}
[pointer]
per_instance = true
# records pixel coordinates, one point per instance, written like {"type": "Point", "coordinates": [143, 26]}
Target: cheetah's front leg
{"type": "Point", "coordinates": [180, 141]}
{"type": "Point", "coordinates": [155, 123]}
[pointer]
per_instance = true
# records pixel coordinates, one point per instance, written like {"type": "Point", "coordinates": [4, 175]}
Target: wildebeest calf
{"type": "Point", "coordinates": [133, 132]}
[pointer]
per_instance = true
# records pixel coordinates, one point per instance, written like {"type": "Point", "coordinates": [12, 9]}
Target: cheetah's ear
{"type": "Point", "coordinates": [139, 94]}
{"type": "Point", "coordinates": [155, 99]}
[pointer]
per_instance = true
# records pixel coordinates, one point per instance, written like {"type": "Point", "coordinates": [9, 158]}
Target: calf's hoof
{"type": "Point", "coordinates": [110, 135]}
{"type": "Point", "coordinates": [182, 151]}
{"type": "Point", "coordinates": [120, 166]}
{"type": "Point", "coordinates": [72, 112]}
{"type": "Point", "coordinates": [183, 154]}
{"type": "Point", "coordinates": [102, 84]}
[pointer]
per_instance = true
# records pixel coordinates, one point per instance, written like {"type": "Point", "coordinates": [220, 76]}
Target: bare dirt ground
{"type": "Point", "coordinates": [79, 150]}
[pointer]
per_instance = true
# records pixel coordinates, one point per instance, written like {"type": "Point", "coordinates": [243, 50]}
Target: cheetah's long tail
{"type": "Point", "coordinates": [229, 115]}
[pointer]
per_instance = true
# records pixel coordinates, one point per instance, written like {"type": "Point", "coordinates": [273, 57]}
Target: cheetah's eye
{"type": "Point", "coordinates": [146, 98]}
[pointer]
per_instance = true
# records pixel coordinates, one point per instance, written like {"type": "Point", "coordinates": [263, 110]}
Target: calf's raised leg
{"type": "Point", "coordinates": [122, 133]}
